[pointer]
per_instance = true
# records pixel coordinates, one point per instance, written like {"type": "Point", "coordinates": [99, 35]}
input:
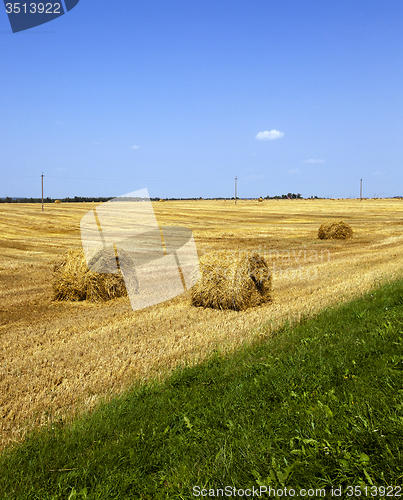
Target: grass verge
{"type": "Point", "coordinates": [319, 405]}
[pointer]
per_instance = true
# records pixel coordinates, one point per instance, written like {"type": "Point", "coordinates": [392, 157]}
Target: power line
{"type": "Point", "coordinates": [188, 179]}
{"type": "Point", "coordinates": [18, 176]}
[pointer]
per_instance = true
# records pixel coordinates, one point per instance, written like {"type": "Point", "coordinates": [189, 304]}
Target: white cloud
{"type": "Point", "coordinates": [269, 135]}
{"type": "Point", "coordinates": [135, 147]}
{"type": "Point", "coordinates": [294, 171]}
{"type": "Point", "coordinates": [58, 123]}
{"type": "Point", "coordinates": [311, 160]}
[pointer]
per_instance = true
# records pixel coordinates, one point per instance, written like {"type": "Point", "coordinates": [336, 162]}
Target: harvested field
{"type": "Point", "coordinates": [58, 358]}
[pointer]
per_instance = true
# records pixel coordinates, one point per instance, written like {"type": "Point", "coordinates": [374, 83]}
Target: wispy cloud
{"type": "Point", "coordinates": [312, 160]}
{"type": "Point", "coordinates": [293, 171]}
{"type": "Point", "coordinates": [135, 147]}
{"type": "Point", "coordinates": [58, 122]}
{"type": "Point", "coordinates": [269, 135]}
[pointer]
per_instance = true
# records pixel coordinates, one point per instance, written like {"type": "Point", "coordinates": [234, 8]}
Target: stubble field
{"type": "Point", "coordinates": [58, 358]}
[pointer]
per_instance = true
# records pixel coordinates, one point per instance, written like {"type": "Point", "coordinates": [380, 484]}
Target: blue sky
{"type": "Point", "coordinates": [180, 96]}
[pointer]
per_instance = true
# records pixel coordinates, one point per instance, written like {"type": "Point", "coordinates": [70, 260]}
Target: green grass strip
{"type": "Point", "coordinates": [318, 405]}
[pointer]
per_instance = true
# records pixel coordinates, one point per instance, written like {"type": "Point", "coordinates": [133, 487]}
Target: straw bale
{"type": "Point", "coordinates": [229, 280]}
{"type": "Point", "coordinates": [331, 230]}
{"type": "Point", "coordinates": [72, 280]}
{"type": "Point", "coordinates": [101, 286]}
{"type": "Point", "coordinates": [160, 199]}
{"type": "Point", "coordinates": [104, 261]}
{"type": "Point", "coordinates": [260, 200]}
{"type": "Point", "coordinates": [57, 201]}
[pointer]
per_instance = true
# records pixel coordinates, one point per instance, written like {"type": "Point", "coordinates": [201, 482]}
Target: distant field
{"type": "Point", "coordinates": [56, 358]}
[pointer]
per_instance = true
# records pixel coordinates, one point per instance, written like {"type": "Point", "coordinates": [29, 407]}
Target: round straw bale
{"type": "Point", "coordinates": [102, 287]}
{"type": "Point", "coordinates": [72, 280]}
{"type": "Point", "coordinates": [160, 199]}
{"type": "Point", "coordinates": [331, 230]}
{"type": "Point", "coordinates": [68, 276]}
{"type": "Point", "coordinates": [260, 199]}
{"type": "Point", "coordinates": [57, 201]}
{"type": "Point", "coordinates": [229, 280]}
{"type": "Point", "coordinates": [105, 261]}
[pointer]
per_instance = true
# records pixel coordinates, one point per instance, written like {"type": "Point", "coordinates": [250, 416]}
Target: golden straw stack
{"type": "Point", "coordinates": [72, 280]}
{"type": "Point", "coordinates": [231, 280]}
{"type": "Point", "coordinates": [331, 230]}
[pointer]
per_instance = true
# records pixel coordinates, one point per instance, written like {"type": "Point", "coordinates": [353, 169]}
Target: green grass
{"type": "Point", "coordinates": [318, 405]}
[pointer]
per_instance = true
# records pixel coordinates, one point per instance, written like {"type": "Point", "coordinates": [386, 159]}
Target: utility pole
{"type": "Point", "coordinates": [361, 190]}
{"type": "Point", "coordinates": [42, 190]}
{"type": "Point", "coordinates": [236, 178]}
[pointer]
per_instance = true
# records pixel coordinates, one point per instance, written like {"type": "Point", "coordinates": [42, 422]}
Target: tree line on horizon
{"type": "Point", "coordinates": [81, 199]}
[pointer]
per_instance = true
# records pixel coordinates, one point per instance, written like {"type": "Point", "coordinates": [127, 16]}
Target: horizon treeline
{"type": "Point", "coordinates": [81, 199]}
